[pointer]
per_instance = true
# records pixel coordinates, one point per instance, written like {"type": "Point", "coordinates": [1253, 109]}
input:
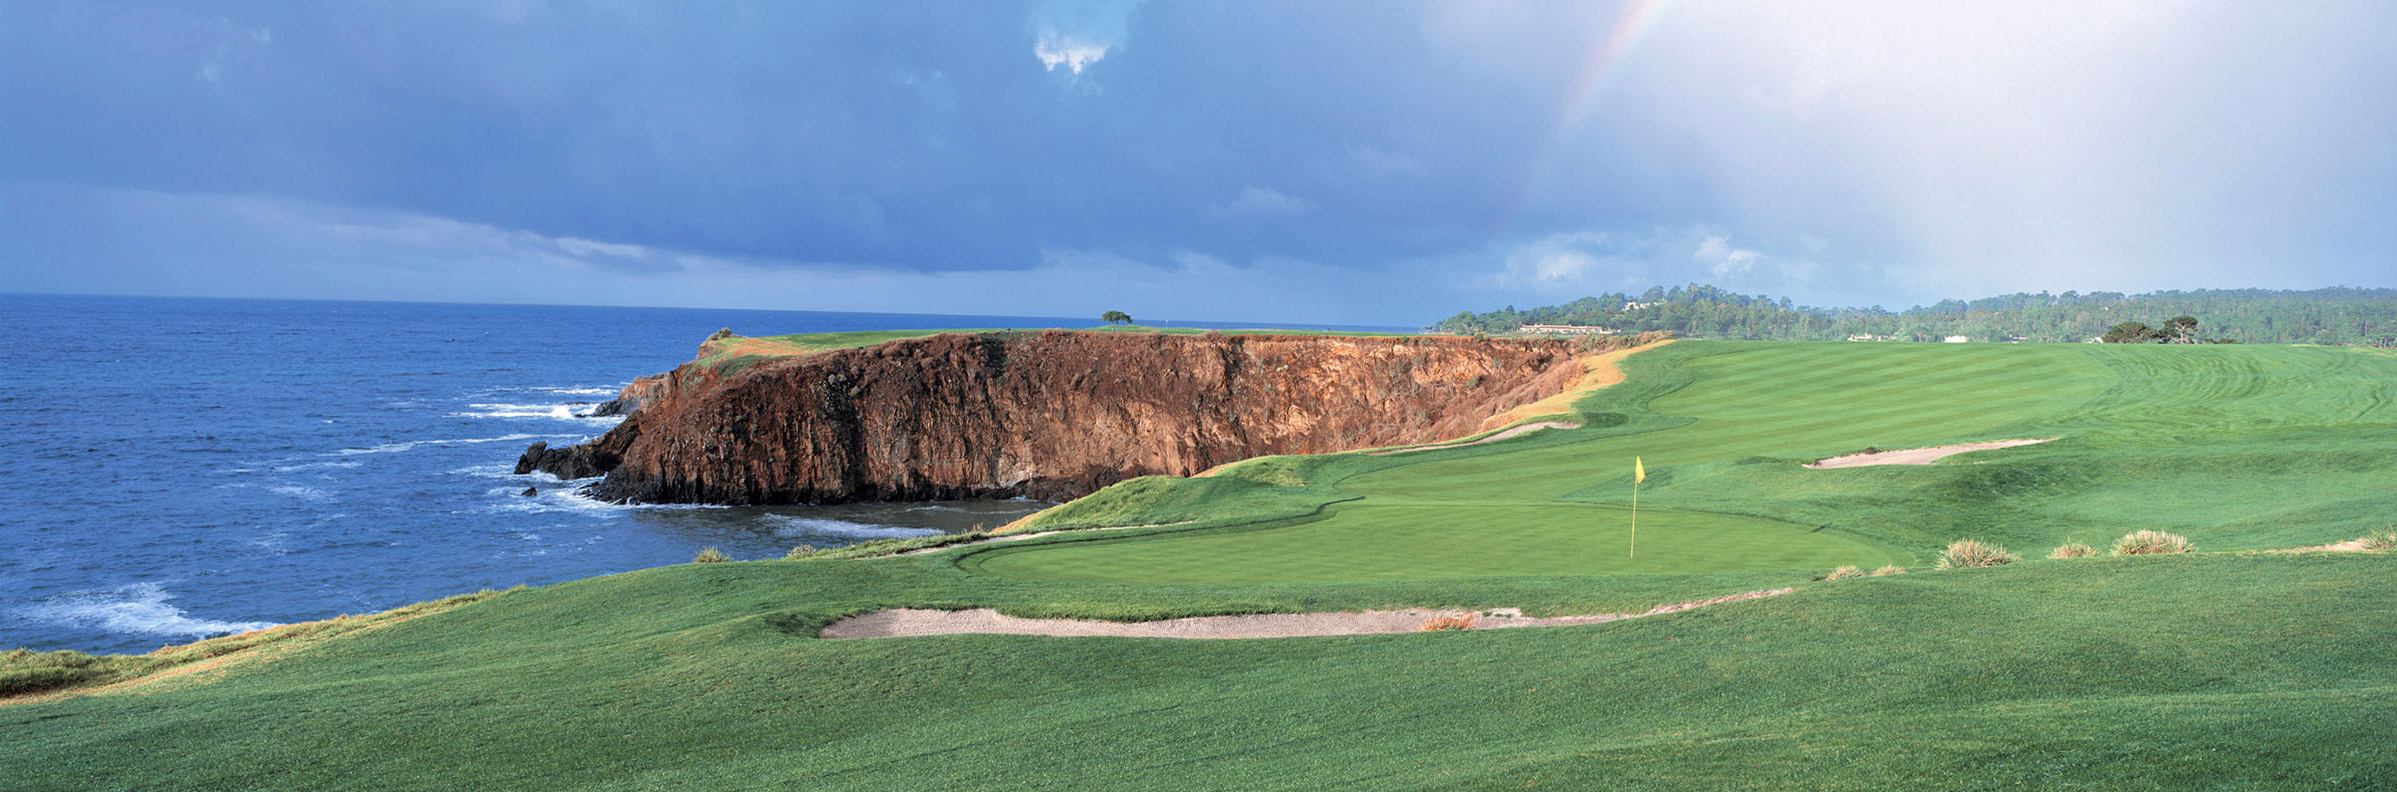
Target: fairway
{"type": "Point", "coordinates": [2256, 446]}
{"type": "Point", "coordinates": [1429, 540]}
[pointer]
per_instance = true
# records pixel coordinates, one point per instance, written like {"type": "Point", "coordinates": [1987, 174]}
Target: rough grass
{"type": "Point", "coordinates": [1970, 553]}
{"type": "Point", "coordinates": [1845, 572]}
{"type": "Point", "coordinates": [25, 672]}
{"type": "Point", "coordinates": [2072, 550]}
{"type": "Point", "coordinates": [2151, 543]}
{"type": "Point", "coordinates": [710, 555]}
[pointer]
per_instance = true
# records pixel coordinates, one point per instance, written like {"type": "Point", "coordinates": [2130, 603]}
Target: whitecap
{"type": "Point", "coordinates": [818, 526]}
{"type": "Point", "coordinates": [570, 411]}
{"type": "Point", "coordinates": [566, 497]}
{"type": "Point", "coordinates": [391, 448]}
{"type": "Point", "coordinates": [315, 466]}
{"type": "Point", "coordinates": [139, 608]}
{"type": "Point", "coordinates": [305, 493]}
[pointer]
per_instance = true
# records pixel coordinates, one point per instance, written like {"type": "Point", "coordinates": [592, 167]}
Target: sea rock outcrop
{"type": "Point", "coordinates": [641, 391]}
{"type": "Point", "coordinates": [1052, 415]}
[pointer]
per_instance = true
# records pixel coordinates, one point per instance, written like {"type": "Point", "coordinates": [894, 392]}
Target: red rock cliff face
{"type": "Point", "coordinates": [1052, 415]}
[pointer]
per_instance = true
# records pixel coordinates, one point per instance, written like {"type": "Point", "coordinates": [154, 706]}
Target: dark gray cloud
{"type": "Point", "coordinates": [1400, 160]}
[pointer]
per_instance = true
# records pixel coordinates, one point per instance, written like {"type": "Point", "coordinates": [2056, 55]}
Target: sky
{"type": "Point", "coordinates": [1387, 162]}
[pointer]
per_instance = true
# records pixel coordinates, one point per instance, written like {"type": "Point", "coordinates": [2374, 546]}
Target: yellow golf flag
{"type": "Point", "coordinates": [1639, 472]}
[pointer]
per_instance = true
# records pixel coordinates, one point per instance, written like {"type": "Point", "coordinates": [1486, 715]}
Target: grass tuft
{"type": "Point", "coordinates": [1454, 621]}
{"type": "Point", "coordinates": [2380, 540]}
{"type": "Point", "coordinates": [1843, 573]}
{"type": "Point", "coordinates": [710, 555]}
{"type": "Point", "coordinates": [1967, 553]}
{"type": "Point", "coordinates": [2073, 550]}
{"type": "Point", "coordinates": [2150, 543]}
{"type": "Point", "coordinates": [1891, 569]}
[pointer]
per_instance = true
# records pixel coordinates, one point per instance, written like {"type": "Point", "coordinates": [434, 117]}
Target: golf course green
{"type": "Point", "coordinates": [2234, 667]}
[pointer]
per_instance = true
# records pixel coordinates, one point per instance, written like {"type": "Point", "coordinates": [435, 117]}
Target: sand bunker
{"type": "Point", "coordinates": [1917, 456]}
{"type": "Point", "coordinates": [1508, 432]}
{"type": "Point", "coordinates": [898, 622]}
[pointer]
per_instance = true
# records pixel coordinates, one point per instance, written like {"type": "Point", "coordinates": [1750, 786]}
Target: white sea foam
{"type": "Point", "coordinates": [393, 448]}
{"type": "Point", "coordinates": [562, 412]}
{"type": "Point", "coordinates": [304, 493]}
{"type": "Point", "coordinates": [817, 526]}
{"type": "Point", "coordinates": [139, 609]}
{"type": "Point", "coordinates": [566, 497]}
{"type": "Point", "coordinates": [315, 466]}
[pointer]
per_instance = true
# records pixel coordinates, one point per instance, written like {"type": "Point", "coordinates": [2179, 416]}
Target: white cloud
{"type": "Point", "coordinates": [229, 36]}
{"type": "Point", "coordinates": [1723, 260]}
{"type": "Point", "coordinates": [1078, 33]}
{"type": "Point", "coordinates": [1265, 202]}
{"type": "Point", "coordinates": [584, 247]}
{"type": "Point", "coordinates": [1055, 50]}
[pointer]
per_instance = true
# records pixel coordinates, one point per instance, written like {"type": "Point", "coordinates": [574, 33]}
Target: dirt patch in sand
{"type": "Point", "coordinates": [898, 622]}
{"type": "Point", "coordinates": [1917, 456]}
{"type": "Point", "coordinates": [2360, 544]}
{"type": "Point", "coordinates": [1501, 435]}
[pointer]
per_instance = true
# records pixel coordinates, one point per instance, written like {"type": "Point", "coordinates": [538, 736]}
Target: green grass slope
{"type": "Point", "coordinates": [2217, 670]}
{"type": "Point", "coordinates": [2151, 673]}
{"type": "Point", "coordinates": [2232, 446]}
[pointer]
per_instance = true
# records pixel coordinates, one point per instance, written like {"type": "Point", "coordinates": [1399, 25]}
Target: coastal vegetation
{"type": "Point", "coordinates": [2320, 316]}
{"type": "Point", "coordinates": [2230, 668]}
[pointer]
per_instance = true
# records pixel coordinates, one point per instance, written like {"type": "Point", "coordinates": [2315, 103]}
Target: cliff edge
{"type": "Point", "coordinates": [1051, 415]}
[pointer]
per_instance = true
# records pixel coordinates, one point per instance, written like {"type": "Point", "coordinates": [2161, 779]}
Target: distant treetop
{"type": "Point", "coordinates": [2337, 315]}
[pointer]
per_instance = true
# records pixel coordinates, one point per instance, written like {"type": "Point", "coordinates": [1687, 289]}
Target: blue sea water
{"type": "Point", "coordinates": [180, 468]}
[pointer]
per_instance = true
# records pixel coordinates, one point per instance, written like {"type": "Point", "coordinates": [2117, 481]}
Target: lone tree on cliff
{"type": "Point", "coordinates": [1116, 317]}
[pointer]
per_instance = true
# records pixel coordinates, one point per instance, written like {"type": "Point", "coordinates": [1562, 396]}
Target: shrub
{"type": "Point", "coordinates": [2151, 542]}
{"type": "Point", "coordinates": [1455, 621]}
{"type": "Point", "coordinates": [2073, 550]}
{"type": "Point", "coordinates": [1966, 553]}
{"type": "Point", "coordinates": [1843, 573]}
{"type": "Point", "coordinates": [710, 555]}
{"type": "Point", "coordinates": [1891, 569]}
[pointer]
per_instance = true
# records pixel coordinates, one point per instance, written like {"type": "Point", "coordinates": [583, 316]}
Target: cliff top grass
{"type": "Point", "coordinates": [735, 352]}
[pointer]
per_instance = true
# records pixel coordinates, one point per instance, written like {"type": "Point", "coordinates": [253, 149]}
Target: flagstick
{"type": "Point", "coordinates": [1635, 518]}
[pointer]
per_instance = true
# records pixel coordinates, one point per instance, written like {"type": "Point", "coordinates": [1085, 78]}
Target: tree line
{"type": "Point", "coordinates": [2337, 315]}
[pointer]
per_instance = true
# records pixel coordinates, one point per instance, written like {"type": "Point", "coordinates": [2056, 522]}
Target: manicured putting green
{"type": "Point", "coordinates": [1419, 540]}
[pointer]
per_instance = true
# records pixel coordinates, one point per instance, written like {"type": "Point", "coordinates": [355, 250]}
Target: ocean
{"type": "Point", "coordinates": [182, 468]}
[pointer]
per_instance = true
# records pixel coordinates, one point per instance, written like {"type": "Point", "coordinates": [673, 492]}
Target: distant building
{"type": "Point", "coordinates": [1565, 329]}
{"type": "Point", "coordinates": [1634, 305]}
{"type": "Point", "coordinates": [1864, 337]}
{"type": "Point", "coordinates": [1958, 339]}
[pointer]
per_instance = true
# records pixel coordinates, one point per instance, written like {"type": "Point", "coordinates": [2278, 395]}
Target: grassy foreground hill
{"type": "Point", "coordinates": [2234, 668]}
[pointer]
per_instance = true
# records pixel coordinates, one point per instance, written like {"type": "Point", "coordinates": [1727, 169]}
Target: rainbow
{"type": "Point", "coordinates": [1603, 62]}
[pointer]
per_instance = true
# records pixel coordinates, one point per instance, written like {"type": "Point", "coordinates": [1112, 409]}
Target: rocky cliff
{"type": "Point", "coordinates": [1049, 415]}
